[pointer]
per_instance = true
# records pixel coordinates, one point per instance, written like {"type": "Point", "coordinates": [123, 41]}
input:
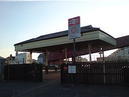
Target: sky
{"type": "Point", "coordinates": [23, 20]}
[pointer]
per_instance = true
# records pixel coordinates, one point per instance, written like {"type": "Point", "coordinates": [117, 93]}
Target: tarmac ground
{"type": "Point", "coordinates": [51, 87]}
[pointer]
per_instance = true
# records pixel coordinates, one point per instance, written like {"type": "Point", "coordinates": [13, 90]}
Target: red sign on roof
{"type": "Point", "coordinates": [74, 27]}
{"type": "Point", "coordinates": [74, 21]}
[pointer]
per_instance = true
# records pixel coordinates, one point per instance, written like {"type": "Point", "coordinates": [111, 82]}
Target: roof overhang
{"type": "Point", "coordinates": [96, 38]}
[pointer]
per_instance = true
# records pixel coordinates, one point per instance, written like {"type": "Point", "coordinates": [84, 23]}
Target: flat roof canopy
{"type": "Point", "coordinates": [59, 41]}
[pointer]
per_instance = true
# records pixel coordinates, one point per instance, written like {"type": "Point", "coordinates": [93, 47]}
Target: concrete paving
{"type": "Point", "coordinates": [53, 88]}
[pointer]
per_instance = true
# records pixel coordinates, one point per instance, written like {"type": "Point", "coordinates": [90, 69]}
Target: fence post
{"type": "Point", "coordinates": [104, 72]}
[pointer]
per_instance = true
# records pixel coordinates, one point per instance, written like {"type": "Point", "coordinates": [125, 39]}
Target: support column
{"type": "Point", "coordinates": [16, 58]}
{"type": "Point", "coordinates": [46, 57]}
{"type": "Point", "coordinates": [16, 53]}
{"type": "Point", "coordinates": [89, 48]}
{"type": "Point", "coordinates": [30, 56]}
{"type": "Point", "coordinates": [100, 54]}
{"type": "Point", "coordinates": [103, 55]}
{"type": "Point", "coordinates": [46, 62]}
{"type": "Point", "coordinates": [66, 56]}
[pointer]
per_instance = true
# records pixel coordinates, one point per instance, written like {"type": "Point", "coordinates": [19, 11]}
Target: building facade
{"type": "Point", "coordinates": [122, 54]}
{"type": "Point", "coordinates": [23, 58]}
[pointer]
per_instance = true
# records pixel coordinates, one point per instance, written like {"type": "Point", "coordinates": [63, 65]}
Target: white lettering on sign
{"type": "Point", "coordinates": [74, 28]}
{"type": "Point", "coordinates": [74, 21]}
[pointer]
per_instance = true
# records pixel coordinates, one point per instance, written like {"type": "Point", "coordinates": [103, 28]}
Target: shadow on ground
{"type": "Point", "coordinates": [53, 88]}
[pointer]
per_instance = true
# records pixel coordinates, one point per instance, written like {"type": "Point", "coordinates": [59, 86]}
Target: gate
{"type": "Point", "coordinates": [97, 73]}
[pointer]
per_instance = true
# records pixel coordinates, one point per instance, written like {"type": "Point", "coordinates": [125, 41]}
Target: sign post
{"type": "Point", "coordinates": [74, 32]}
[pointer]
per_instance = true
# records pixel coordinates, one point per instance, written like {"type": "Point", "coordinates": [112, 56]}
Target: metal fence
{"type": "Point", "coordinates": [97, 73]}
{"type": "Point", "coordinates": [24, 72]}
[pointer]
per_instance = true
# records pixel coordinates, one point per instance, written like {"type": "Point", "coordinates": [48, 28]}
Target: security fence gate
{"type": "Point", "coordinates": [96, 73]}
